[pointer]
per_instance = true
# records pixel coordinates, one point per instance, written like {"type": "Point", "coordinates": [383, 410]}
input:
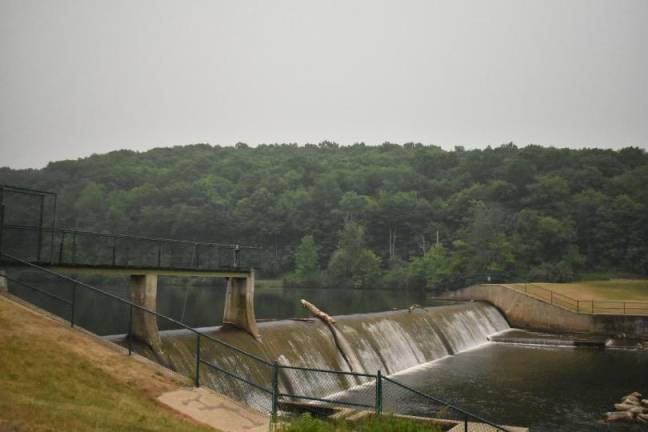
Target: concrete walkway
{"type": "Point", "coordinates": [216, 410]}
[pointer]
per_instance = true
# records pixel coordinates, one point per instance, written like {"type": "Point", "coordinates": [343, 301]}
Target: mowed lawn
{"type": "Point", "coordinates": [614, 289]}
{"type": "Point", "coordinates": [55, 379]}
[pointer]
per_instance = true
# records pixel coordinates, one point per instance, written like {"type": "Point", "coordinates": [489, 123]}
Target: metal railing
{"type": "Point", "coordinates": [62, 246]}
{"type": "Point", "coordinates": [348, 389]}
{"type": "Point", "coordinates": [593, 307]}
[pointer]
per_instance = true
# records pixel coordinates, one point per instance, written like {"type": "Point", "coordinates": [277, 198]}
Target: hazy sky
{"type": "Point", "coordinates": [80, 76]}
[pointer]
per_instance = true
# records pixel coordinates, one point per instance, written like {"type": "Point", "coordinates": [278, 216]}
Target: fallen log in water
{"type": "Point", "coordinates": [318, 313]}
{"type": "Point", "coordinates": [341, 343]}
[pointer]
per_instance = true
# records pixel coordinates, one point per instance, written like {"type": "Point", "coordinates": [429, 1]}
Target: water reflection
{"type": "Point", "coordinates": [199, 302]}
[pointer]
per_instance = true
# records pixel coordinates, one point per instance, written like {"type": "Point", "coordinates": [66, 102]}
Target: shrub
{"type": "Point", "coordinates": [386, 423]}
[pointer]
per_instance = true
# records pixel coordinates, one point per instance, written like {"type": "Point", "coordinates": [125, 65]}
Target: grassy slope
{"type": "Point", "coordinates": [55, 379]}
{"type": "Point", "coordinates": [617, 289]}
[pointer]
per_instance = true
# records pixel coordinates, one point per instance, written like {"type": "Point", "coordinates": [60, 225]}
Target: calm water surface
{"type": "Point", "coordinates": [544, 388]}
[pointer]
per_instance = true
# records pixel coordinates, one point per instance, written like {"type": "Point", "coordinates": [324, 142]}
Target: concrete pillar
{"type": "Point", "coordinates": [4, 284]}
{"type": "Point", "coordinates": [239, 304]}
{"type": "Point", "coordinates": [143, 292]}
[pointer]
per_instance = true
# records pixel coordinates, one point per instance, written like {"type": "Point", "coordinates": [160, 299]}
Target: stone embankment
{"type": "Point", "coordinates": [631, 409]}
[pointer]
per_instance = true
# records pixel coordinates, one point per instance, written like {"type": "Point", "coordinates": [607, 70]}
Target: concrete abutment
{"type": "Point", "coordinates": [239, 307]}
{"type": "Point", "coordinates": [239, 304]}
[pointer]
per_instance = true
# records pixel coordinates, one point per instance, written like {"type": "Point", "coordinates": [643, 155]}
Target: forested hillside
{"type": "Point", "coordinates": [374, 213]}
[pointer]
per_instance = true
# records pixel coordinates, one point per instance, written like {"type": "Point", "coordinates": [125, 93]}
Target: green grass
{"type": "Point", "coordinates": [46, 385]}
{"type": "Point", "coordinates": [607, 275]}
{"type": "Point", "coordinates": [386, 423]}
{"type": "Point", "coordinates": [615, 289]}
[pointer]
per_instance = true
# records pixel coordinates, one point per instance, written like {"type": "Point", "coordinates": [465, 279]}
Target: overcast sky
{"type": "Point", "coordinates": [80, 76]}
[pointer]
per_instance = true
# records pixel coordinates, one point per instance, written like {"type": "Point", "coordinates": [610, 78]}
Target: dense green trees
{"type": "Point", "coordinates": [353, 265]}
{"type": "Point", "coordinates": [307, 268]}
{"type": "Point", "coordinates": [536, 212]}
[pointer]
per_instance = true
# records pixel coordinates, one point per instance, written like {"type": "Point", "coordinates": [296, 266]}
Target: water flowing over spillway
{"type": "Point", "coordinates": [388, 341]}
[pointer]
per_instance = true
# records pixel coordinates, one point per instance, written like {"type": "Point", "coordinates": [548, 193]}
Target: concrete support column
{"type": "Point", "coordinates": [4, 284]}
{"type": "Point", "coordinates": [143, 292]}
{"type": "Point", "coordinates": [239, 304]}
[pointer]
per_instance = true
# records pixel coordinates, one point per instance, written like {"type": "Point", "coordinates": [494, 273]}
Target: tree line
{"type": "Point", "coordinates": [366, 216]}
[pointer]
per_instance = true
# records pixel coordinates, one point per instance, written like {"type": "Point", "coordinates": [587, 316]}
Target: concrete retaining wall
{"type": "Point", "coordinates": [527, 312]}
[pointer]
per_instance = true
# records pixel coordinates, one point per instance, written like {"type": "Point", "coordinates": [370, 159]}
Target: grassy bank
{"type": "Point", "coordinates": [615, 289]}
{"type": "Point", "coordinates": [56, 379]}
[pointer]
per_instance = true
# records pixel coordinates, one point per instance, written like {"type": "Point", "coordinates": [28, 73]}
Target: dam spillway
{"type": "Point", "coordinates": [366, 343]}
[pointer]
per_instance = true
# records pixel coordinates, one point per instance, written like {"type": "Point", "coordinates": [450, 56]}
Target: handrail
{"type": "Point", "coordinates": [127, 236]}
{"type": "Point", "coordinates": [27, 191]}
{"type": "Point", "coordinates": [447, 404]}
{"type": "Point", "coordinates": [597, 307]}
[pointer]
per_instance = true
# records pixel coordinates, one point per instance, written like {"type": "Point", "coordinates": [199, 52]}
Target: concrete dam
{"type": "Point", "coordinates": [389, 342]}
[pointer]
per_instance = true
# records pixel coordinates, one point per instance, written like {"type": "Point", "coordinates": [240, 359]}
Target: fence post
{"type": "Point", "coordinates": [40, 229]}
{"type": "Point", "coordinates": [466, 423]}
{"type": "Point", "coordinates": [159, 255]}
{"type": "Point", "coordinates": [551, 297]}
{"type": "Point", "coordinates": [114, 252]}
{"type": "Point", "coordinates": [197, 382]}
{"type": "Point", "coordinates": [60, 259]}
{"type": "Point", "coordinates": [130, 330]}
{"type": "Point", "coordinates": [577, 305]}
{"type": "Point", "coordinates": [2, 211]}
{"type": "Point", "coordinates": [237, 251]}
{"type": "Point", "coordinates": [73, 304]}
{"type": "Point", "coordinates": [74, 247]}
{"type": "Point", "coordinates": [275, 390]}
{"type": "Point", "coordinates": [194, 256]}
{"type": "Point", "coordinates": [624, 308]}
{"type": "Point", "coordinates": [379, 393]}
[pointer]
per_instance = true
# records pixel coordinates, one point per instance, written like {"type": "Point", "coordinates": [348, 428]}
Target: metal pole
{"type": "Point", "coordinates": [237, 251]}
{"type": "Point", "coordinates": [52, 235]}
{"type": "Point", "coordinates": [40, 228]}
{"type": "Point", "coordinates": [130, 330]}
{"type": "Point", "coordinates": [114, 252]}
{"type": "Point", "coordinates": [379, 393]}
{"type": "Point", "coordinates": [275, 390]}
{"type": "Point", "coordinates": [61, 247]}
{"type": "Point", "coordinates": [197, 382]}
{"type": "Point", "coordinates": [159, 254]}
{"type": "Point", "coordinates": [466, 423]}
{"type": "Point", "coordinates": [73, 304]}
{"type": "Point", "coordinates": [74, 247]}
{"type": "Point", "coordinates": [2, 212]}
{"type": "Point", "coordinates": [193, 255]}
{"type": "Point", "coordinates": [577, 305]}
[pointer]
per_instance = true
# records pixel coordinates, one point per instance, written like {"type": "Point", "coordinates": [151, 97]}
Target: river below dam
{"type": "Point", "coordinates": [443, 351]}
{"type": "Point", "coordinates": [543, 388]}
